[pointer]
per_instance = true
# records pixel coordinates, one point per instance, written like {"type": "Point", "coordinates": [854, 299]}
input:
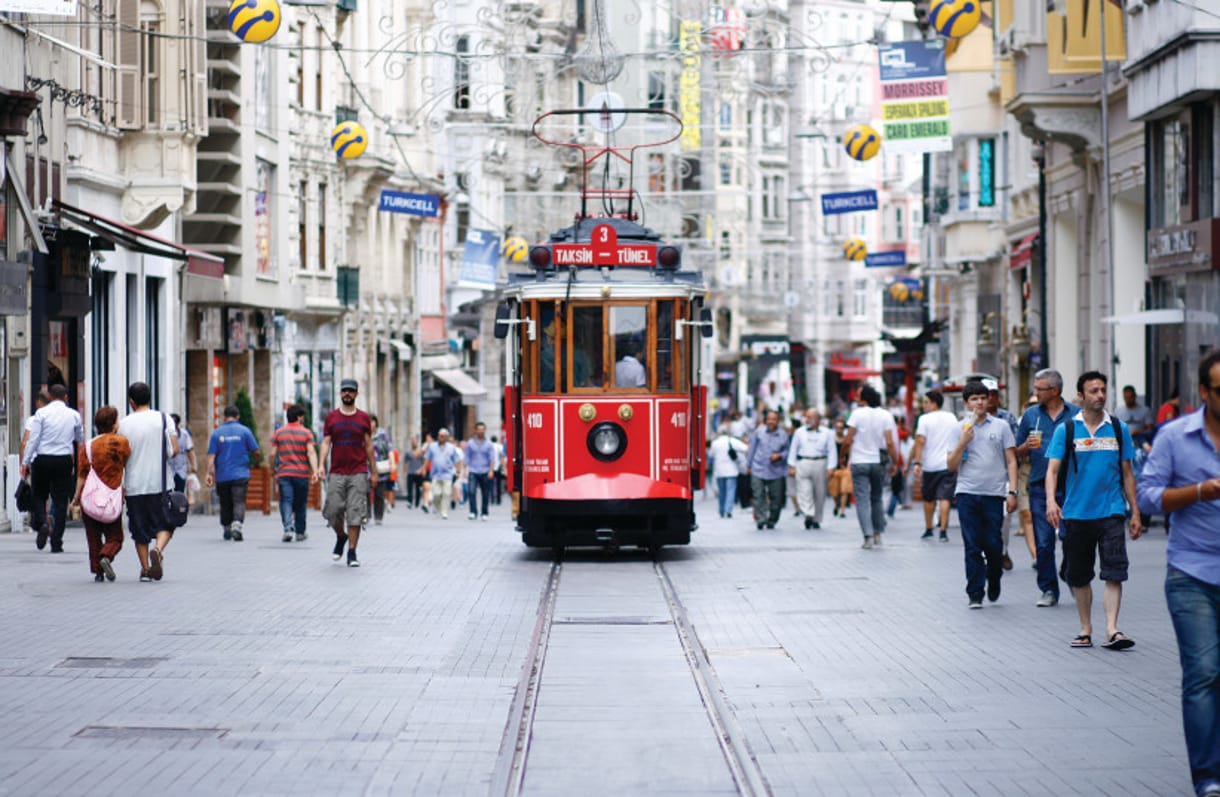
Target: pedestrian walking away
{"type": "Point", "coordinates": [870, 431]}
{"type": "Point", "coordinates": [296, 460]}
{"type": "Point", "coordinates": [105, 457]}
{"type": "Point", "coordinates": [229, 451]}
{"type": "Point", "coordinates": [936, 434]}
{"type": "Point", "coordinates": [415, 480]}
{"type": "Point", "coordinates": [441, 460]}
{"type": "Point", "coordinates": [1182, 478]}
{"type": "Point", "coordinates": [812, 450]}
{"type": "Point", "coordinates": [383, 489]}
{"type": "Point", "coordinates": [727, 460]}
{"type": "Point", "coordinates": [481, 462]}
{"type": "Point", "coordinates": [985, 461]}
{"type": "Point", "coordinates": [347, 447]}
{"type": "Point", "coordinates": [767, 464]}
{"type": "Point", "coordinates": [49, 463]}
{"type": "Point", "coordinates": [152, 443]}
{"type": "Point", "coordinates": [1034, 432]}
{"type": "Point", "coordinates": [183, 463]}
{"type": "Point", "coordinates": [1090, 456]}
{"type": "Point", "coordinates": [994, 408]}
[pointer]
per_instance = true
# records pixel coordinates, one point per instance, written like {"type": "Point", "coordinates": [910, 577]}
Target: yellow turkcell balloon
{"type": "Point", "coordinates": [515, 249]}
{"type": "Point", "coordinates": [349, 139]}
{"type": "Point", "coordinates": [900, 291]}
{"type": "Point", "coordinates": [855, 249]}
{"type": "Point", "coordinates": [254, 21]}
{"type": "Point", "coordinates": [954, 19]}
{"type": "Point", "coordinates": [862, 142]}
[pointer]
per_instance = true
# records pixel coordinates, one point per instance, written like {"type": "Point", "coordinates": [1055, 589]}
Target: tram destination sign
{"type": "Point", "coordinates": [604, 250]}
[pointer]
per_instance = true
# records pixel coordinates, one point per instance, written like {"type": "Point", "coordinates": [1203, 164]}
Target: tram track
{"type": "Point", "coordinates": [742, 765]}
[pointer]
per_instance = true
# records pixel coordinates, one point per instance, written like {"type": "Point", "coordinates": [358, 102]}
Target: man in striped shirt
{"type": "Point", "coordinates": [296, 459]}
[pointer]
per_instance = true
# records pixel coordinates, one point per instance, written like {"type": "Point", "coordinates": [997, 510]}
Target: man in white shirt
{"type": "Point", "coordinates": [629, 371]}
{"type": "Point", "coordinates": [936, 434]}
{"type": "Point", "coordinates": [869, 430]}
{"type": "Point", "coordinates": [813, 447]}
{"type": "Point", "coordinates": [147, 477]}
{"type": "Point", "coordinates": [50, 457]}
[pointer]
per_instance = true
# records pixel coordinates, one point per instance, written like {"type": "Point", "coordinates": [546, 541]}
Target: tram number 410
{"type": "Point", "coordinates": [533, 420]}
{"type": "Point", "coordinates": [678, 419]}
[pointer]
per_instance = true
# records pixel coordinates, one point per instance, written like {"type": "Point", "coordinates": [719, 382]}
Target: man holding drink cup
{"type": "Point", "coordinates": [1034, 434]}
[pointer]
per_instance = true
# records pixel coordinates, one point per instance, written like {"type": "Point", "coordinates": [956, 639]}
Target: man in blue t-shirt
{"type": "Point", "coordinates": [229, 451]}
{"type": "Point", "coordinates": [1099, 498]}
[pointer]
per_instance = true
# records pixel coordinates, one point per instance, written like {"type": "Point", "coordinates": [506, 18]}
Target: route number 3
{"type": "Point", "coordinates": [678, 419]}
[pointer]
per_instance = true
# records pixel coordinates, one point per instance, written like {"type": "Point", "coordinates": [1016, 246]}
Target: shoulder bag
{"type": "Point", "coordinates": [99, 500]}
{"type": "Point", "coordinates": [177, 508]}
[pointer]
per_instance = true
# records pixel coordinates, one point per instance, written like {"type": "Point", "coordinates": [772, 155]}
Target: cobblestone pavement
{"type": "Point", "coordinates": [262, 667]}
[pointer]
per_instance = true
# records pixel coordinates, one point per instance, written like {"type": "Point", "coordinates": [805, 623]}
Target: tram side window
{"type": "Point", "coordinates": [665, 346]}
{"type": "Point", "coordinates": [546, 356]}
{"type": "Point", "coordinates": [587, 344]}
{"type": "Point", "coordinates": [629, 331]}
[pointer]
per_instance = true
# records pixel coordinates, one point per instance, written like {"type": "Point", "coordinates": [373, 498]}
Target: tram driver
{"type": "Point", "coordinates": [629, 371]}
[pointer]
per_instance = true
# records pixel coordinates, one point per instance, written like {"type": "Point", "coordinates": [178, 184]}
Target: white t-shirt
{"type": "Point", "coordinates": [871, 424]}
{"type": "Point", "coordinates": [941, 431]}
{"type": "Point", "coordinates": [143, 431]}
{"type": "Point", "coordinates": [724, 466]}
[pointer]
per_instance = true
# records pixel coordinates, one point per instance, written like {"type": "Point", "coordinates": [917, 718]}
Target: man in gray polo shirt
{"type": "Point", "coordinates": [985, 460]}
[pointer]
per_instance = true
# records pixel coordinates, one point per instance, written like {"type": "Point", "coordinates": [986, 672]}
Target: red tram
{"type": "Point", "coordinates": [605, 414]}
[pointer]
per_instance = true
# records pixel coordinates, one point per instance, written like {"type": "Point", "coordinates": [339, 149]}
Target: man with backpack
{"type": "Point", "coordinates": [1089, 460]}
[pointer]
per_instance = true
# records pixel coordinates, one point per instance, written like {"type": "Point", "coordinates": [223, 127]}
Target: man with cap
{"type": "Point", "coordinates": [347, 445]}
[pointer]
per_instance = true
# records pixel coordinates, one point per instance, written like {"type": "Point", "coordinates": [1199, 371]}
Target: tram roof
{"type": "Point", "coordinates": [582, 231]}
{"type": "Point", "coordinates": [587, 283]}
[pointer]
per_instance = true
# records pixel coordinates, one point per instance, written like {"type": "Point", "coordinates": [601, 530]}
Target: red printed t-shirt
{"type": "Point", "coordinates": [346, 433]}
{"type": "Point", "coordinates": [292, 443]}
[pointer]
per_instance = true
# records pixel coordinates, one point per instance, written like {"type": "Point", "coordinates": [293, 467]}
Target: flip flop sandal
{"type": "Point", "coordinates": [1119, 641]}
{"type": "Point", "coordinates": [1082, 641]}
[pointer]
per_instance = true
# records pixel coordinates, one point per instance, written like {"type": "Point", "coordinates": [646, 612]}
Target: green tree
{"type": "Point", "coordinates": [245, 415]}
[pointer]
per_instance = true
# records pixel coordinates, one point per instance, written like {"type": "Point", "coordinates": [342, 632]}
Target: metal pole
{"type": "Point", "coordinates": [1107, 272]}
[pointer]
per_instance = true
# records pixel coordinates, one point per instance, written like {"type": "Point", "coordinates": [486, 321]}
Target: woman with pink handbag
{"type": "Point", "coordinates": [99, 492]}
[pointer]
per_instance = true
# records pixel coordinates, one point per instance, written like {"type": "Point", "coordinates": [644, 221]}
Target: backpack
{"type": "Point", "coordinates": [1069, 451]}
{"type": "Point", "coordinates": [98, 500]}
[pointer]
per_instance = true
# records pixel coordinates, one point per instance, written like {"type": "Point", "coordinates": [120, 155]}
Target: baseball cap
{"type": "Point", "coordinates": [991, 385]}
{"type": "Point", "coordinates": [349, 384]}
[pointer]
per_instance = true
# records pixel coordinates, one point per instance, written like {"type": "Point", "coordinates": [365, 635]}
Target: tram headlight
{"type": "Point", "coordinates": [607, 441]}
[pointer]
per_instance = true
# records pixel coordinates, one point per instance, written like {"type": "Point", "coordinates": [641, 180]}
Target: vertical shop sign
{"type": "Point", "coordinates": [689, 35]}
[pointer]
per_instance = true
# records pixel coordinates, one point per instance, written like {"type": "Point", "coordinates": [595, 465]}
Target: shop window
{"type": "Point", "coordinates": [1180, 167]}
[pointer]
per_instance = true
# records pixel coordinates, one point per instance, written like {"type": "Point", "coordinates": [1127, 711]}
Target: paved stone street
{"type": "Point", "coordinates": [262, 667]}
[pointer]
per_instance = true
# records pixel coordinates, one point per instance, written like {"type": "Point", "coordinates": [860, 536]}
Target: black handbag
{"type": "Point", "coordinates": [24, 496]}
{"type": "Point", "coordinates": [177, 508]}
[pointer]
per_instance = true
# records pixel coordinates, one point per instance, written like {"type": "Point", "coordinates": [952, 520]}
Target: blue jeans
{"type": "Point", "coordinates": [1195, 608]}
{"type": "Point", "coordinates": [294, 492]}
{"type": "Point", "coordinates": [981, 518]}
{"type": "Point", "coordinates": [478, 484]}
{"type": "Point", "coordinates": [726, 489]}
{"type": "Point", "coordinates": [866, 483]}
{"type": "Point", "coordinates": [1044, 540]}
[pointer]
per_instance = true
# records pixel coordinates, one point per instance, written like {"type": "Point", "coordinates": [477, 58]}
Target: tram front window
{"type": "Point", "coordinates": [587, 342]}
{"type": "Point", "coordinates": [546, 355]}
{"type": "Point", "coordinates": [665, 345]}
{"type": "Point", "coordinates": [629, 330]}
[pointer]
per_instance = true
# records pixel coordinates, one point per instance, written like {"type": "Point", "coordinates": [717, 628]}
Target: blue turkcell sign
{"type": "Point", "coordinates": [426, 205]}
{"type": "Point", "coordinates": [897, 257]}
{"type": "Point", "coordinates": [912, 60]}
{"type": "Point", "coordinates": [849, 202]}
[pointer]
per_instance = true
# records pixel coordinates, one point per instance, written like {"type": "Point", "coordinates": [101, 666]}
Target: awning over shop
{"type": "Point", "coordinates": [199, 264]}
{"type": "Point", "coordinates": [1022, 252]}
{"type": "Point", "coordinates": [853, 371]}
{"type": "Point", "coordinates": [1149, 318]}
{"type": "Point", "coordinates": [401, 349]}
{"type": "Point", "coordinates": [459, 381]}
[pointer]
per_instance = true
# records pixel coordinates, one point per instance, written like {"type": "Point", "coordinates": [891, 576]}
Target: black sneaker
{"type": "Point", "coordinates": [352, 561]}
{"type": "Point", "coordinates": [41, 539]}
{"type": "Point", "coordinates": [228, 534]}
{"type": "Point", "coordinates": [98, 577]}
{"type": "Point", "coordinates": [302, 537]}
{"type": "Point", "coordinates": [993, 589]}
{"type": "Point", "coordinates": [237, 536]}
{"type": "Point", "coordinates": [144, 576]}
{"type": "Point", "coordinates": [808, 523]}
{"type": "Point", "coordinates": [340, 544]}
{"type": "Point", "coordinates": [927, 535]}
{"type": "Point", "coordinates": [944, 536]}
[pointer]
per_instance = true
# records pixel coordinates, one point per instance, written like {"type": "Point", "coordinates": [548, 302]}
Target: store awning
{"type": "Point", "coordinates": [1022, 252]}
{"type": "Point", "coordinates": [853, 371]}
{"type": "Point", "coordinates": [459, 381]}
{"type": "Point", "coordinates": [199, 264]}
{"type": "Point", "coordinates": [401, 349]}
{"type": "Point", "coordinates": [1149, 318]}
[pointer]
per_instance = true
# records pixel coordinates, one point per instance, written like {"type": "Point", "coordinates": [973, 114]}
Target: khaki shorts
{"type": "Point", "coordinates": [347, 499]}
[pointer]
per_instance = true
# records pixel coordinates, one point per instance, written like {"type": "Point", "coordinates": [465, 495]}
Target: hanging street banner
{"type": "Point", "coordinates": [849, 202]}
{"type": "Point", "coordinates": [689, 106]}
{"type": "Point", "coordinates": [479, 260]}
{"type": "Point", "coordinates": [897, 257]}
{"type": "Point", "coordinates": [59, 8]}
{"type": "Point", "coordinates": [426, 205]}
{"type": "Point", "coordinates": [914, 97]}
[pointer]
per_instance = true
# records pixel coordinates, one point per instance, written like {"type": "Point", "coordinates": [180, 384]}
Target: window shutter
{"type": "Point", "coordinates": [130, 114]}
{"type": "Point", "coordinates": [199, 69]}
